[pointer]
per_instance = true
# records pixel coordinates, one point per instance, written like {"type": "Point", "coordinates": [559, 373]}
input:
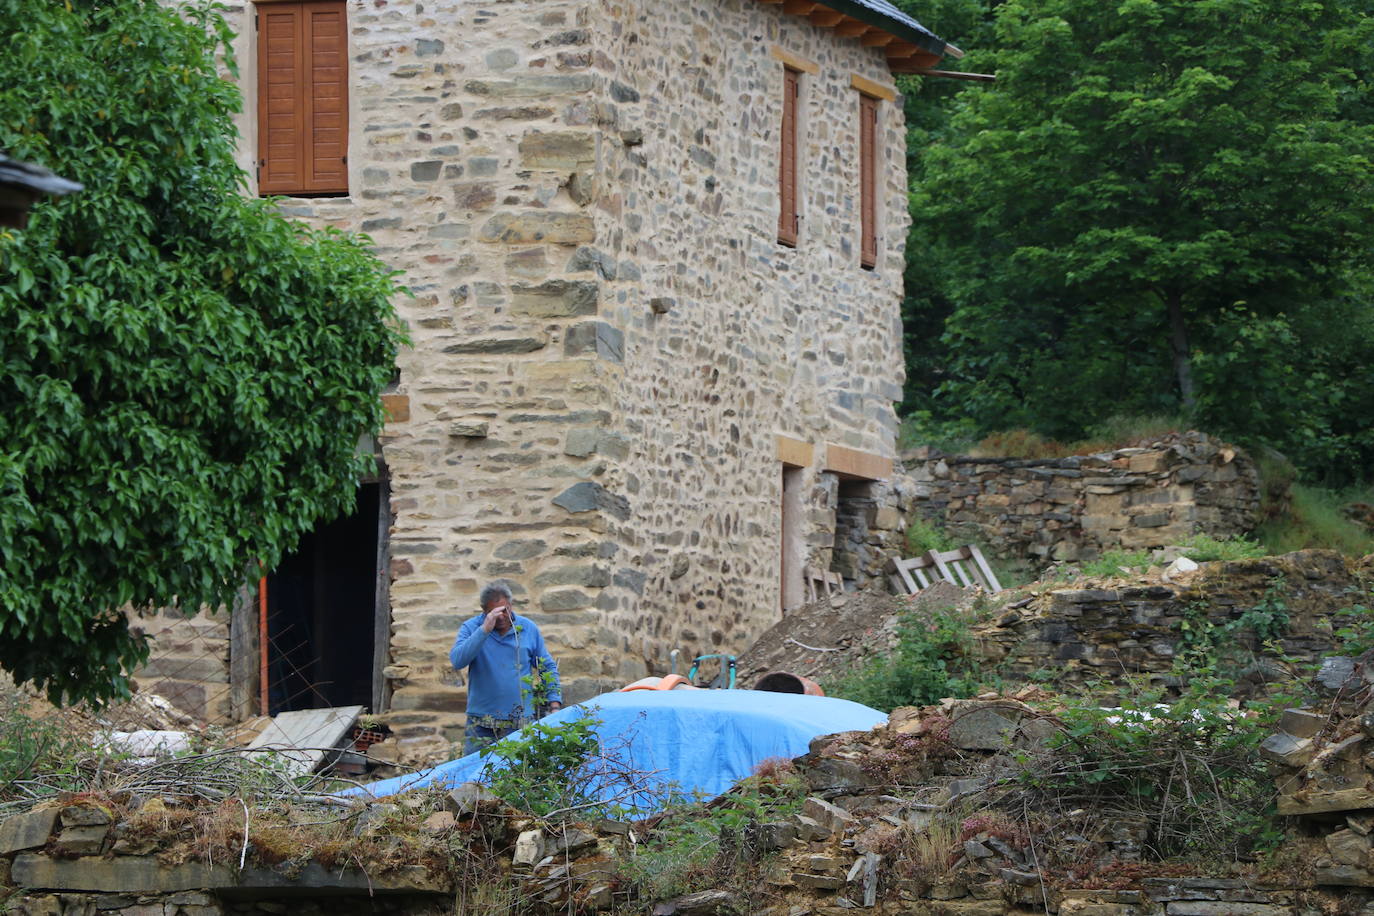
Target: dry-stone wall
{"type": "Point", "coordinates": [1078, 507]}
{"type": "Point", "coordinates": [607, 339]}
{"type": "Point", "coordinates": [1132, 627]}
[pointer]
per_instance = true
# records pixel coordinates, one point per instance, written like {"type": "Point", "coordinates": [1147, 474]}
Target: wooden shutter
{"type": "Point", "coordinates": [868, 180]}
{"type": "Point", "coordinates": [303, 98]}
{"type": "Point", "coordinates": [787, 167]}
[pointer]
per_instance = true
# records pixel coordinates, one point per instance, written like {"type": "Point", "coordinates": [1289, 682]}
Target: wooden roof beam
{"type": "Point", "coordinates": [799, 7]}
{"type": "Point", "coordinates": [827, 19]}
{"type": "Point", "coordinates": [852, 28]}
{"type": "Point", "coordinates": [877, 39]}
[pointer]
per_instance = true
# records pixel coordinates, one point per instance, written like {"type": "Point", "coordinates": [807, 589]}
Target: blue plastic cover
{"type": "Point", "coordinates": [695, 741]}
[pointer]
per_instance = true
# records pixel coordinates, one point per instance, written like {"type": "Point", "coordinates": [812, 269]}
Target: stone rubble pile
{"type": "Point", "coordinates": [1325, 756]}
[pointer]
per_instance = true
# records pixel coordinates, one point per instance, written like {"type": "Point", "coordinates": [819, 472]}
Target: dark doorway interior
{"type": "Point", "coordinates": [321, 613]}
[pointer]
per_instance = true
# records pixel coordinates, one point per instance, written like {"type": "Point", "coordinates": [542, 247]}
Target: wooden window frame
{"type": "Point", "coordinates": [310, 121]}
{"type": "Point", "coordinates": [789, 209]}
{"type": "Point", "coordinates": [868, 181]}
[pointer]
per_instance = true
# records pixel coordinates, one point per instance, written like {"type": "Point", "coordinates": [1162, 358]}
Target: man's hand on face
{"type": "Point", "coordinates": [495, 616]}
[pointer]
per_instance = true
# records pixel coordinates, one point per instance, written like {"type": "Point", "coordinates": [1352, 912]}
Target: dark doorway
{"type": "Point", "coordinates": [322, 607]}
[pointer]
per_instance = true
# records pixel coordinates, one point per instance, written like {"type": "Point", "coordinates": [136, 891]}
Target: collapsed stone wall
{"type": "Point", "coordinates": [1078, 507]}
{"type": "Point", "coordinates": [1133, 626]}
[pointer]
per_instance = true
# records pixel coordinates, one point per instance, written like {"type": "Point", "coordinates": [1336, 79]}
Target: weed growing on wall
{"type": "Point", "coordinates": [542, 770]}
{"type": "Point", "coordinates": [695, 847]}
{"type": "Point", "coordinates": [931, 661]}
{"type": "Point", "coordinates": [1186, 777]}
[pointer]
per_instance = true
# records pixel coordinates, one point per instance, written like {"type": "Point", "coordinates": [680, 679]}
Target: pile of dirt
{"type": "Point", "coordinates": [827, 638]}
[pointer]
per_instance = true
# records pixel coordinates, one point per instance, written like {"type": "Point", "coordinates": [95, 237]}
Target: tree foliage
{"type": "Point", "coordinates": [1161, 206]}
{"type": "Point", "coordinates": [184, 374]}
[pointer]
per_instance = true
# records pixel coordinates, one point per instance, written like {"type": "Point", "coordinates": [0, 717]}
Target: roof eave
{"type": "Point", "coordinates": [921, 38]}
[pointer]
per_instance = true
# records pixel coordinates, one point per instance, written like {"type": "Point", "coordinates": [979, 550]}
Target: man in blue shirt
{"type": "Point", "coordinates": [510, 672]}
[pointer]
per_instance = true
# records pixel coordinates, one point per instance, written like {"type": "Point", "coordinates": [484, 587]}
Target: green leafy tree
{"type": "Point", "coordinates": [1162, 205]}
{"type": "Point", "coordinates": [184, 374]}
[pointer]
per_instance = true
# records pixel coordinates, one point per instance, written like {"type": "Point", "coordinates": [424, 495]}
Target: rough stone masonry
{"type": "Point", "coordinates": [610, 349]}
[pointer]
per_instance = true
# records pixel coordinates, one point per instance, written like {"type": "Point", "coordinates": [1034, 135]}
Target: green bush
{"type": "Point", "coordinates": [923, 535]}
{"type": "Point", "coordinates": [1315, 519]}
{"type": "Point", "coordinates": [695, 847]}
{"type": "Point", "coordinates": [544, 770]}
{"type": "Point", "coordinates": [929, 663]}
{"type": "Point", "coordinates": [1187, 774]}
{"type": "Point", "coordinates": [1112, 562]}
{"type": "Point", "coordinates": [33, 746]}
{"type": "Point", "coordinates": [1204, 548]}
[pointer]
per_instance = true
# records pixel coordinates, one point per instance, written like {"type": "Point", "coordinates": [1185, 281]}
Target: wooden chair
{"type": "Point", "coordinates": [964, 567]}
{"type": "Point", "coordinates": [821, 583]}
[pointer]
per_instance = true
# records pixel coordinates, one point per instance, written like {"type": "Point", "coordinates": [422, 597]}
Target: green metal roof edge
{"type": "Point", "coordinates": [918, 35]}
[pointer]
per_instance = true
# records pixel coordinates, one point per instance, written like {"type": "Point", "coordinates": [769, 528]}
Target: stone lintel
{"type": "Point", "coordinates": [794, 452]}
{"type": "Point", "coordinates": [853, 463]}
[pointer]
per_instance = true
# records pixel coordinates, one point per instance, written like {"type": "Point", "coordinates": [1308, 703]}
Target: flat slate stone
{"type": "Point", "coordinates": [27, 830]}
{"type": "Point", "coordinates": [121, 874]}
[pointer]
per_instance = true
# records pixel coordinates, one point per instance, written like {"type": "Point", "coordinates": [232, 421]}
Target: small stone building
{"type": "Point", "coordinates": [654, 253]}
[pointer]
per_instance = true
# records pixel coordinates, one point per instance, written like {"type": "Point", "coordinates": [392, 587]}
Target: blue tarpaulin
{"type": "Point", "coordinates": [694, 741]}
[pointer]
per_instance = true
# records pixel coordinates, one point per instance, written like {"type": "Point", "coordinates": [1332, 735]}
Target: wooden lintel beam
{"type": "Point", "coordinates": [799, 7]}
{"type": "Point", "coordinates": [826, 19]}
{"type": "Point", "coordinates": [877, 39]}
{"type": "Point", "coordinates": [851, 28]}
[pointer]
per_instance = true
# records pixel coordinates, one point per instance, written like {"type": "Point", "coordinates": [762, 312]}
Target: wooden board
{"type": "Point", "coordinates": [305, 736]}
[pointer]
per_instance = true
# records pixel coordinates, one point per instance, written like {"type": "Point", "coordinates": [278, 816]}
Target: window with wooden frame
{"type": "Point", "coordinates": [302, 97]}
{"type": "Point", "coordinates": [788, 217]}
{"type": "Point", "coordinates": [868, 181]}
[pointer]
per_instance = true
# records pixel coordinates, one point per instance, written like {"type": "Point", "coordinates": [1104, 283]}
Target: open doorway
{"type": "Point", "coordinates": [854, 508]}
{"type": "Point", "coordinates": [325, 606]}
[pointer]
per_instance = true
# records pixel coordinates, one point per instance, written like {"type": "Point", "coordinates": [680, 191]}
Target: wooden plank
{"type": "Point", "coordinates": [794, 452]}
{"type": "Point", "coordinates": [795, 61]}
{"type": "Point", "coordinates": [988, 575]}
{"type": "Point", "coordinates": [852, 28]}
{"type": "Point", "coordinates": [875, 89]}
{"type": "Point", "coordinates": [855, 463]}
{"type": "Point", "coordinates": [827, 19]}
{"type": "Point", "coordinates": [243, 653]}
{"type": "Point", "coordinates": [304, 737]}
{"type": "Point", "coordinates": [381, 607]}
{"type": "Point", "coordinates": [949, 74]}
{"type": "Point", "coordinates": [877, 39]}
{"type": "Point", "coordinates": [799, 7]}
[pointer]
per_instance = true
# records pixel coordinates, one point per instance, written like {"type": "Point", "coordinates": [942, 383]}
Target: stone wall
{"type": "Point", "coordinates": [1076, 508]}
{"type": "Point", "coordinates": [188, 664]}
{"type": "Point", "coordinates": [606, 338]}
{"type": "Point", "coordinates": [1132, 627]}
{"type": "Point", "coordinates": [750, 339]}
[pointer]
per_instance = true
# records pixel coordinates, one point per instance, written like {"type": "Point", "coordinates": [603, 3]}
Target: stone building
{"type": "Point", "coordinates": [654, 254]}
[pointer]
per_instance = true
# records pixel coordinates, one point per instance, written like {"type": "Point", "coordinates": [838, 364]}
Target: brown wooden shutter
{"type": "Point", "coordinates": [868, 180]}
{"type": "Point", "coordinates": [787, 168]}
{"type": "Point", "coordinates": [303, 98]}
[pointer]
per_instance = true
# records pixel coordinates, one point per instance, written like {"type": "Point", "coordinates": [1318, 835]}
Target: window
{"type": "Point", "coordinates": [303, 98]}
{"type": "Point", "coordinates": [868, 181]}
{"type": "Point", "coordinates": [787, 167]}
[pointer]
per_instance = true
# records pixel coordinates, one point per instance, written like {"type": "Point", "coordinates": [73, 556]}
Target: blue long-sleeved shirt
{"type": "Point", "coordinates": [497, 665]}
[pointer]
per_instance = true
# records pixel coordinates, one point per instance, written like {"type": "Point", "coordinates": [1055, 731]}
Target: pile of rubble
{"type": "Point", "coordinates": [911, 817]}
{"type": "Point", "coordinates": [1326, 758]}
